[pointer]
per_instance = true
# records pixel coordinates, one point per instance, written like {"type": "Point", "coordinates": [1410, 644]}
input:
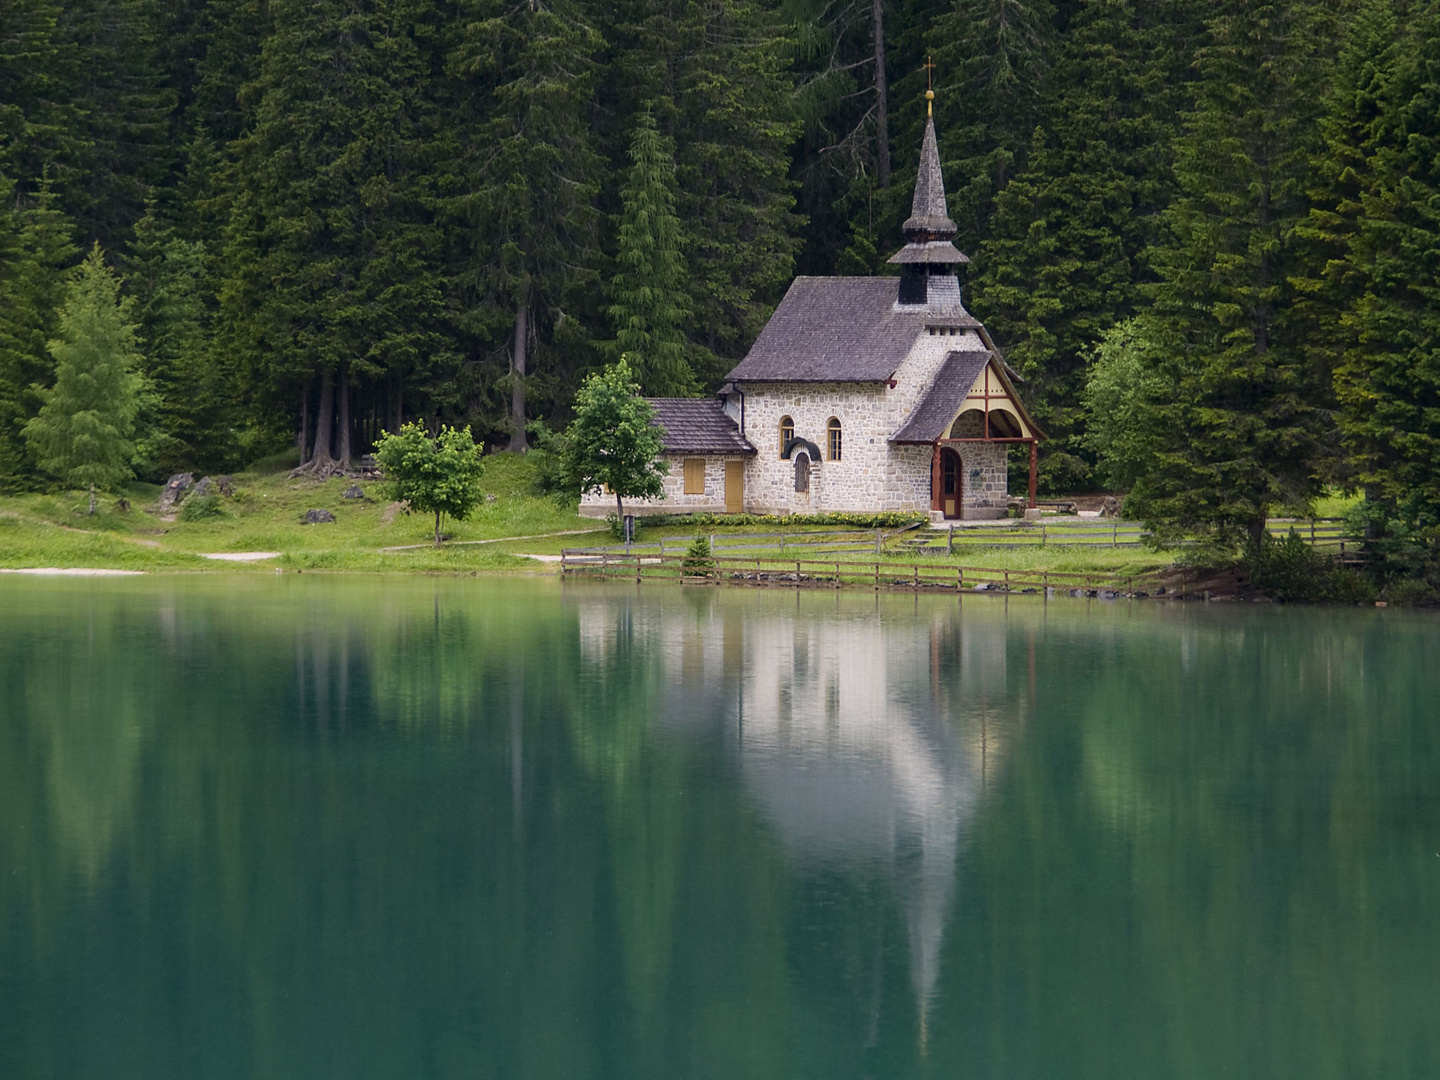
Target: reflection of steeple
{"type": "Point", "coordinates": [862, 740]}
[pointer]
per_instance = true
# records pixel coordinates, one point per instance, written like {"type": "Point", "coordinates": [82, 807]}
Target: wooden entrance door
{"type": "Point", "coordinates": [734, 487]}
{"type": "Point", "coordinates": [951, 483]}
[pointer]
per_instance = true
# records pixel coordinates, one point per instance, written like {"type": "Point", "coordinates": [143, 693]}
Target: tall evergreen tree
{"type": "Point", "coordinates": [716, 74]}
{"type": "Point", "coordinates": [334, 262]}
{"type": "Point", "coordinates": [1383, 146]}
{"type": "Point", "coordinates": [82, 434]}
{"type": "Point", "coordinates": [34, 271]}
{"type": "Point", "coordinates": [1244, 418]}
{"type": "Point", "coordinates": [528, 173]}
{"type": "Point", "coordinates": [992, 58]}
{"type": "Point", "coordinates": [1063, 262]}
{"type": "Point", "coordinates": [648, 305]}
{"type": "Point", "coordinates": [184, 421]}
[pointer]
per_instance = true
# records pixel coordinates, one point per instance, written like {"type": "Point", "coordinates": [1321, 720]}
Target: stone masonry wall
{"type": "Point", "coordinates": [872, 474]}
{"type": "Point", "coordinates": [594, 504]}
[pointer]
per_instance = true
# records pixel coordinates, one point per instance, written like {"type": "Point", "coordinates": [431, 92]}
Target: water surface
{"type": "Point", "coordinates": [354, 828]}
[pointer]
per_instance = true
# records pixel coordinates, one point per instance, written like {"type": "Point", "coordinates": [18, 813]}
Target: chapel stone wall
{"type": "Point", "coordinates": [597, 505]}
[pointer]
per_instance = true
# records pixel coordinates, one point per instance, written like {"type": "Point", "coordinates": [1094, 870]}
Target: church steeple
{"type": "Point", "coordinates": [928, 254]}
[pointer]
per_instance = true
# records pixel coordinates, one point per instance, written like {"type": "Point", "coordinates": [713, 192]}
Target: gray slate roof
{"type": "Point", "coordinates": [698, 426]}
{"type": "Point", "coordinates": [841, 329]}
{"type": "Point", "coordinates": [947, 393]}
{"type": "Point", "coordinates": [928, 212]}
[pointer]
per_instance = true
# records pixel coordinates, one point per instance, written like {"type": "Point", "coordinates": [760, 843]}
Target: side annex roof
{"type": "Point", "coordinates": [698, 426]}
{"type": "Point", "coordinates": [947, 394]}
{"type": "Point", "coordinates": [841, 329]}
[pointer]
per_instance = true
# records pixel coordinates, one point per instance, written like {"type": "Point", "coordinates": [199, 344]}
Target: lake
{"type": "Point", "coordinates": [309, 827]}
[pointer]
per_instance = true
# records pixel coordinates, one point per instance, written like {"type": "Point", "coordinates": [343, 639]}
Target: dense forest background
{"type": "Point", "coordinates": [1205, 231]}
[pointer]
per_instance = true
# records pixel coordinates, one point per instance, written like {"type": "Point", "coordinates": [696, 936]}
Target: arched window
{"type": "Point", "coordinates": [787, 432]}
{"type": "Point", "coordinates": [802, 472]}
{"type": "Point", "coordinates": [834, 444]}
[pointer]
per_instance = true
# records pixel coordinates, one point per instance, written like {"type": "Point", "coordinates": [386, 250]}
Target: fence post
{"type": "Point", "coordinates": [1007, 580]}
{"type": "Point", "coordinates": [637, 568]}
{"type": "Point", "coordinates": [1312, 532]}
{"type": "Point", "coordinates": [916, 567]}
{"type": "Point", "coordinates": [877, 542]}
{"type": "Point", "coordinates": [950, 540]}
{"type": "Point", "coordinates": [877, 577]}
{"type": "Point", "coordinates": [1115, 535]}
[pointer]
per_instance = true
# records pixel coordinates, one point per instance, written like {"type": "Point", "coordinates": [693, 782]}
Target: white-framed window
{"type": "Point", "coordinates": [787, 432]}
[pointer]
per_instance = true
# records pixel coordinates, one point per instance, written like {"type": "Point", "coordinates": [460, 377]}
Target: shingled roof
{"type": "Point", "coordinates": [698, 426]}
{"type": "Point", "coordinates": [842, 329]}
{"type": "Point", "coordinates": [947, 393]}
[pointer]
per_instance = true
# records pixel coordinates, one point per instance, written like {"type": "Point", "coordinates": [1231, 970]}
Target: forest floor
{"type": "Point", "coordinates": [260, 529]}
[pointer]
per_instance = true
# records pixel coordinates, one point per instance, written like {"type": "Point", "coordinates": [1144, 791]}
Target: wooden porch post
{"type": "Point", "coordinates": [1034, 455]}
{"type": "Point", "coordinates": [935, 503]}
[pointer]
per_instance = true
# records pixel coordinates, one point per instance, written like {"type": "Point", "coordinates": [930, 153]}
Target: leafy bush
{"type": "Point", "coordinates": [1289, 569]}
{"type": "Point", "coordinates": [201, 508]}
{"type": "Point", "coordinates": [1410, 592]}
{"type": "Point", "coordinates": [698, 561]}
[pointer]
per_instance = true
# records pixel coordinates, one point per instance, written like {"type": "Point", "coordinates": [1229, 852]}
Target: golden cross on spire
{"type": "Point", "coordinates": [929, 66]}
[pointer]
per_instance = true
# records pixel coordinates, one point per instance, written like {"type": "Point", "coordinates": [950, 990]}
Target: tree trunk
{"type": "Point", "coordinates": [1257, 530]}
{"type": "Point", "coordinates": [620, 512]}
{"type": "Point", "coordinates": [303, 438]}
{"type": "Point", "coordinates": [324, 420]}
{"type": "Point", "coordinates": [92, 500]}
{"type": "Point", "coordinates": [517, 375]}
{"type": "Point", "coordinates": [344, 424]}
{"type": "Point", "coordinates": [437, 528]}
{"type": "Point", "coordinates": [882, 107]}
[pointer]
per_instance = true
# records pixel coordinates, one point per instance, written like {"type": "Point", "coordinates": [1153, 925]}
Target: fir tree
{"type": "Point", "coordinates": [1063, 262]}
{"type": "Point", "coordinates": [334, 276]}
{"type": "Point", "coordinates": [82, 434]}
{"type": "Point", "coordinates": [1243, 420]}
{"type": "Point", "coordinates": [991, 58]}
{"type": "Point", "coordinates": [648, 306]}
{"type": "Point", "coordinates": [1383, 147]}
{"type": "Point", "coordinates": [33, 279]}
{"type": "Point", "coordinates": [527, 172]}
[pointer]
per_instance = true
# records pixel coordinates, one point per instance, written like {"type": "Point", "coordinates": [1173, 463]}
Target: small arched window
{"type": "Point", "coordinates": [787, 432]}
{"type": "Point", "coordinates": [833, 449]}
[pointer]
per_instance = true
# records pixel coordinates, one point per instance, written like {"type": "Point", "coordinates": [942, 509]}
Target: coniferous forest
{"type": "Point", "coordinates": [1206, 232]}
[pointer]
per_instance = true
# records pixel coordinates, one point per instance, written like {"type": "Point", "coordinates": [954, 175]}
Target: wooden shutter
{"type": "Point", "coordinates": [694, 476]}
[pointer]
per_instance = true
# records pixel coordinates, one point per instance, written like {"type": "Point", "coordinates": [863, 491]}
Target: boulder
{"type": "Point", "coordinates": [1110, 507]}
{"type": "Point", "coordinates": [175, 489]}
{"type": "Point", "coordinates": [319, 517]}
{"type": "Point", "coordinates": [203, 486]}
{"type": "Point", "coordinates": [354, 492]}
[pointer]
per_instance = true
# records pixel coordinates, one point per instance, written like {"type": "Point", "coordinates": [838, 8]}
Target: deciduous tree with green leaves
{"type": "Point", "coordinates": [437, 475]}
{"type": "Point", "coordinates": [613, 441]}
{"type": "Point", "coordinates": [82, 434]}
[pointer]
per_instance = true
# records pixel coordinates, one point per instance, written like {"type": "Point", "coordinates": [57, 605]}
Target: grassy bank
{"type": "Point", "coordinates": [267, 511]}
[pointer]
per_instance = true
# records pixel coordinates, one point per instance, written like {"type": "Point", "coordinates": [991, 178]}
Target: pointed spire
{"type": "Point", "coordinates": [929, 216]}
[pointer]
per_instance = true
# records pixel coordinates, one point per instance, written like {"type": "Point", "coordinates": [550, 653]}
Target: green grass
{"type": "Point", "coordinates": [267, 511]}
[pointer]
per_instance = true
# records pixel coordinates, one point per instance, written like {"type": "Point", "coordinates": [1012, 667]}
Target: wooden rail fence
{"type": "Point", "coordinates": [836, 574]}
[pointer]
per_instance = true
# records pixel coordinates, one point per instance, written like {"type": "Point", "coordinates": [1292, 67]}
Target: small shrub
{"type": "Point", "coordinates": [201, 508]}
{"type": "Point", "coordinates": [1289, 569]}
{"type": "Point", "coordinates": [889, 519]}
{"type": "Point", "coordinates": [698, 561]}
{"type": "Point", "coordinates": [1410, 592]}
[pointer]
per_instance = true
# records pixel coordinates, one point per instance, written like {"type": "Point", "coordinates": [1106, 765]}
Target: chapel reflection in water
{"type": "Point", "coordinates": [866, 729]}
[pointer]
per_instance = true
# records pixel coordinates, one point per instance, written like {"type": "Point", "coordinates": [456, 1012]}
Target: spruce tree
{"type": "Point", "coordinates": [1243, 422]}
{"type": "Point", "coordinates": [1382, 155]}
{"type": "Point", "coordinates": [716, 74]}
{"type": "Point", "coordinates": [648, 305]}
{"type": "Point", "coordinates": [34, 272]}
{"type": "Point", "coordinates": [334, 280]}
{"type": "Point", "coordinates": [82, 434]}
{"type": "Point", "coordinates": [526, 173]}
{"type": "Point", "coordinates": [992, 58]}
{"type": "Point", "coordinates": [1063, 262]}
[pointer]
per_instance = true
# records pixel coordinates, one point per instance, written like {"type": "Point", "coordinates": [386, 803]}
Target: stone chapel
{"type": "Point", "coordinates": [861, 394]}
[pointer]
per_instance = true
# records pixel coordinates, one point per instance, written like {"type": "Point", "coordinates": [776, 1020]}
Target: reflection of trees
{"type": "Point", "coordinates": [295, 828]}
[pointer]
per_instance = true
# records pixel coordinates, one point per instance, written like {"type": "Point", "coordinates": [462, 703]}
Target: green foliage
{"type": "Point", "coordinates": [201, 508]}
{"type": "Point", "coordinates": [1122, 395]}
{"type": "Point", "coordinates": [439, 475]}
{"type": "Point", "coordinates": [1408, 592]}
{"type": "Point", "coordinates": [613, 441]}
{"type": "Point", "coordinates": [648, 305]}
{"type": "Point", "coordinates": [1242, 420]}
{"type": "Point", "coordinates": [698, 561]}
{"type": "Point", "coordinates": [82, 434]}
{"type": "Point", "coordinates": [889, 519]}
{"type": "Point", "coordinates": [1289, 569]}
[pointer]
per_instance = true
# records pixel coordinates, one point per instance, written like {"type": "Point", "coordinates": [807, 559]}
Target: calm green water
{"type": "Point", "coordinates": [312, 828]}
